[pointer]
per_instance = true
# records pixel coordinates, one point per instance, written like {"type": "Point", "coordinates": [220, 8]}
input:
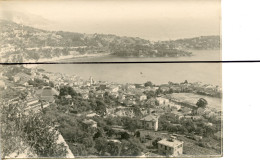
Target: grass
{"type": "Point", "coordinates": [191, 149]}
{"type": "Point", "coordinates": [191, 98]}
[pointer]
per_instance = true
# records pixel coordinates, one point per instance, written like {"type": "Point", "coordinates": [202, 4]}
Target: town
{"type": "Point", "coordinates": [103, 119]}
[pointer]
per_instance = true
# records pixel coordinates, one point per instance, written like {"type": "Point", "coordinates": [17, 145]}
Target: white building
{"type": "Point", "coordinates": [170, 147]}
{"type": "Point", "coordinates": [143, 97]}
{"type": "Point", "coordinates": [150, 122]}
{"type": "Point", "coordinates": [162, 101]}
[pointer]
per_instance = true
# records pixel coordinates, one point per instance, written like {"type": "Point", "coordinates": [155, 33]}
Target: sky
{"type": "Point", "coordinates": [150, 19]}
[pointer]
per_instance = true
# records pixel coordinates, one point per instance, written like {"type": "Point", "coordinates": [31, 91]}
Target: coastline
{"type": "Point", "coordinates": [58, 59]}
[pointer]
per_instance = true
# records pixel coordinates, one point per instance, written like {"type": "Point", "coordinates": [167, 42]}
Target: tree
{"type": "Point", "coordinates": [101, 107]}
{"type": "Point", "coordinates": [202, 103]}
{"type": "Point", "coordinates": [88, 142]}
{"type": "Point", "coordinates": [150, 94]}
{"type": "Point", "coordinates": [51, 84]}
{"type": "Point", "coordinates": [159, 91]}
{"type": "Point", "coordinates": [101, 145]}
{"type": "Point", "coordinates": [209, 131]}
{"type": "Point", "coordinates": [137, 134]}
{"type": "Point", "coordinates": [132, 147]}
{"type": "Point", "coordinates": [171, 91]}
{"type": "Point", "coordinates": [100, 133]}
{"type": "Point", "coordinates": [125, 135]}
{"type": "Point", "coordinates": [131, 124]}
{"type": "Point", "coordinates": [148, 84]}
{"type": "Point", "coordinates": [11, 130]}
{"type": "Point", "coordinates": [35, 129]}
{"type": "Point", "coordinates": [43, 138]}
{"type": "Point", "coordinates": [67, 90]}
{"type": "Point", "coordinates": [110, 132]}
{"type": "Point", "coordinates": [155, 142]}
{"type": "Point", "coordinates": [170, 83]}
{"type": "Point", "coordinates": [113, 148]}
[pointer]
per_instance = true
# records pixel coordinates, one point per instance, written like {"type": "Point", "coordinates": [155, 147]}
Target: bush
{"type": "Point", "coordinates": [33, 129]}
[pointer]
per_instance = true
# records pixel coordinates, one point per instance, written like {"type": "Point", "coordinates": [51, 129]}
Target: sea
{"type": "Point", "coordinates": [157, 73]}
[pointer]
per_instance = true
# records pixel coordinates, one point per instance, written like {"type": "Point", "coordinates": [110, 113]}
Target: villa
{"type": "Point", "coordinates": [150, 122]}
{"type": "Point", "coordinates": [170, 147]}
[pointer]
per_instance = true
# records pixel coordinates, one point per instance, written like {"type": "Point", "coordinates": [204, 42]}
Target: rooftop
{"type": "Point", "coordinates": [89, 121]}
{"type": "Point", "coordinates": [168, 143]}
{"type": "Point", "coordinates": [150, 118]}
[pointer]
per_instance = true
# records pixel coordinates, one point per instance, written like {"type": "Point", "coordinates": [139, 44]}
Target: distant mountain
{"type": "Point", "coordinates": [26, 19]}
{"type": "Point", "coordinates": [22, 43]}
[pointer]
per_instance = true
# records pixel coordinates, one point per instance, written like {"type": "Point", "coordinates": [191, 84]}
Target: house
{"type": "Point", "coordinates": [114, 89]}
{"type": "Point", "coordinates": [177, 114]}
{"type": "Point", "coordinates": [91, 114]}
{"type": "Point", "coordinates": [85, 96]}
{"type": "Point", "coordinates": [114, 140]}
{"type": "Point", "coordinates": [139, 85]}
{"type": "Point", "coordinates": [170, 147]}
{"type": "Point", "coordinates": [130, 86]}
{"type": "Point", "coordinates": [68, 97]}
{"type": "Point", "coordinates": [175, 106]}
{"type": "Point", "coordinates": [121, 111]}
{"type": "Point", "coordinates": [100, 94]}
{"type": "Point", "coordinates": [16, 78]}
{"type": "Point", "coordinates": [150, 122]}
{"type": "Point", "coordinates": [164, 88]}
{"type": "Point", "coordinates": [162, 100]}
{"type": "Point", "coordinates": [90, 123]}
{"type": "Point", "coordinates": [151, 101]}
{"type": "Point", "coordinates": [142, 97]}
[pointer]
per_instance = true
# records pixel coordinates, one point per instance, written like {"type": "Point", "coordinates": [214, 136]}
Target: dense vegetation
{"type": "Point", "coordinates": [33, 132]}
{"type": "Point", "coordinates": [197, 43]}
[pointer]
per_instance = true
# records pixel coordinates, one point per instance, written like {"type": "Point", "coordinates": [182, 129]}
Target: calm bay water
{"type": "Point", "coordinates": [159, 73]}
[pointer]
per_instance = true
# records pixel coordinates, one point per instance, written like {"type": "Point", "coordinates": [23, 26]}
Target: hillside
{"type": "Point", "coordinates": [197, 43]}
{"type": "Point", "coordinates": [23, 43]}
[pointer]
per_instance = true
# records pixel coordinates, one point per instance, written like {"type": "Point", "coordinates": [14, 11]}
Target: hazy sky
{"type": "Point", "coordinates": [155, 20]}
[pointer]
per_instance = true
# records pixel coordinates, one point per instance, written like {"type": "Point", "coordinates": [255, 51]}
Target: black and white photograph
{"type": "Point", "coordinates": [111, 79]}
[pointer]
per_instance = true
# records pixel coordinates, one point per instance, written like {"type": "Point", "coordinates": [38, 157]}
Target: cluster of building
{"type": "Point", "coordinates": [168, 145]}
{"type": "Point", "coordinates": [126, 95]}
